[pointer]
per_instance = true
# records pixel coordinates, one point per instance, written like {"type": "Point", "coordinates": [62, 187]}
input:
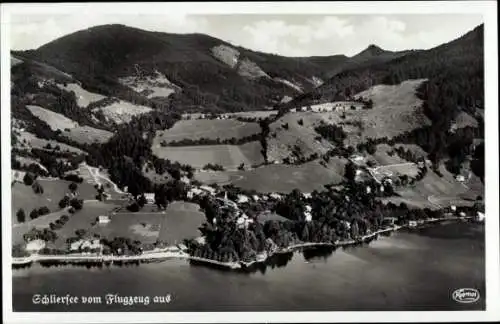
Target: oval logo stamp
{"type": "Point", "coordinates": [466, 295]}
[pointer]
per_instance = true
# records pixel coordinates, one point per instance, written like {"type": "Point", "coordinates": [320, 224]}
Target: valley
{"type": "Point", "coordinates": [189, 145]}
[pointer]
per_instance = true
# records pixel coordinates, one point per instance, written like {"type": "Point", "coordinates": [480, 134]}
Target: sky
{"type": "Point", "coordinates": [288, 35]}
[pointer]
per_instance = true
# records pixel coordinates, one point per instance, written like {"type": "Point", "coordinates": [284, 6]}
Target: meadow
{"type": "Point", "coordinates": [277, 177]}
{"type": "Point", "coordinates": [207, 128]}
{"type": "Point", "coordinates": [229, 156]}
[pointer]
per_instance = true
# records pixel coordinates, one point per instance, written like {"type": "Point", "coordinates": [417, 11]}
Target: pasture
{"type": "Point", "coordinates": [24, 197]}
{"type": "Point", "coordinates": [151, 86]}
{"type": "Point", "coordinates": [396, 109]}
{"type": "Point", "coordinates": [207, 128]}
{"type": "Point", "coordinates": [282, 142]}
{"type": "Point", "coordinates": [32, 141]}
{"type": "Point", "coordinates": [83, 97]}
{"type": "Point", "coordinates": [179, 221]}
{"type": "Point", "coordinates": [88, 135]}
{"type": "Point", "coordinates": [276, 177]}
{"type": "Point", "coordinates": [122, 111]}
{"type": "Point", "coordinates": [55, 120]}
{"type": "Point", "coordinates": [229, 156]}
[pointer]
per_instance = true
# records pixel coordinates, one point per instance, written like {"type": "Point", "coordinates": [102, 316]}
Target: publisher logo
{"type": "Point", "coordinates": [466, 295]}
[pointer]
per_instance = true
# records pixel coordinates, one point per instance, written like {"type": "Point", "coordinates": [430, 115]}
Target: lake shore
{"type": "Point", "coordinates": [164, 254]}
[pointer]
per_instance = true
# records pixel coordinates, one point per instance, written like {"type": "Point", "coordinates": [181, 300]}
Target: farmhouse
{"type": "Point", "coordinates": [413, 223]}
{"type": "Point", "coordinates": [306, 195]}
{"type": "Point", "coordinates": [103, 219]}
{"type": "Point", "coordinates": [150, 197]}
{"type": "Point", "coordinates": [480, 217]}
{"type": "Point", "coordinates": [460, 178]}
{"type": "Point", "coordinates": [208, 190]}
{"type": "Point", "coordinates": [194, 192]}
{"type": "Point", "coordinates": [357, 158]}
{"type": "Point", "coordinates": [255, 198]}
{"type": "Point", "coordinates": [293, 110]}
{"type": "Point", "coordinates": [242, 199]}
{"type": "Point", "coordinates": [275, 196]}
{"type": "Point", "coordinates": [35, 245]}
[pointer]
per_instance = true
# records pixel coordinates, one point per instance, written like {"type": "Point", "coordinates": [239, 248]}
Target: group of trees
{"type": "Point", "coordinates": [59, 223]}
{"type": "Point", "coordinates": [332, 133]}
{"type": "Point", "coordinates": [214, 167]}
{"type": "Point", "coordinates": [45, 234]}
{"type": "Point", "coordinates": [217, 141]}
{"type": "Point", "coordinates": [37, 212]}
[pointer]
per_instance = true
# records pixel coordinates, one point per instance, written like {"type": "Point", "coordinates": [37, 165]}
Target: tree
{"type": "Point", "coordinates": [80, 233]}
{"type": "Point", "coordinates": [21, 217]}
{"type": "Point", "coordinates": [64, 202]}
{"type": "Point", "coordinates": [73, 186]}
{"type": "Point", "coordinates": [241, 167]}
{"type": "Point", "coordinates": [34, 214]}
{"type": "Point", "coordinates": [28, 178]}
{"type": "Point", "coordinates": [76, 203]}
{"type": "Point", "coordinates": [350, 171]}
{"type": "Point", "coordinates": [142, 201]}
{"type": "Point", "coordinates": [37, 187]}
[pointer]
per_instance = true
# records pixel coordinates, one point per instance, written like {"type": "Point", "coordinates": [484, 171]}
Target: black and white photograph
{"type": "Point", "coordinates": [171, 159]}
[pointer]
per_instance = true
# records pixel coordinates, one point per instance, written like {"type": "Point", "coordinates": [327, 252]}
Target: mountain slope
{"type": "Point", "coordinates": [208, 72]}
{"type": "Point", "coordinates": [455, 68]}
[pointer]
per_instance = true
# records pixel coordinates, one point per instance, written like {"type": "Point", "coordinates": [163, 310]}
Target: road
{"type": "Point", "coordinates": [94, 172]}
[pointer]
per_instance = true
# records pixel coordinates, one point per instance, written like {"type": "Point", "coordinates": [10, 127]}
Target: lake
{"type": "Point", "coordinates": [414, 270]}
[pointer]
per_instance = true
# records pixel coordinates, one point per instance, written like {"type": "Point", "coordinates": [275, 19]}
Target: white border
{"type": "Point", "coordinates": [487, 8]}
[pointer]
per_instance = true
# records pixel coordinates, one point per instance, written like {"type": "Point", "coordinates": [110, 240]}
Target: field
{"type": "Point", "coordinates": [27, 161]}
{"type": "Point", "coordinates": [24, 197]}
{"type": "Point", "coordinates": [18, 230]}
{"type": "Point", "coordinates": [88, 135]}
{"type": "Point", "coordinates": [34, 142]}
{"type": "Point", "coordinates": [54, 120]}
{"type": "Point", "coordinates": [83, 219]}
{"type": "Point", "coordinates": [70, 128]}
{"type": "Point", "coordinates": [207, 128]}
{"type": "Point", "coordinates": [179, 221]}
{"type": "Point", "coordinates": [396, 109]}
{"type": "Point", "coordinates": [442, 191]}
{"type": "Point", "coordinates": [157, 86]}
{"type": "Point", "coordinates": [229, 156]}
{"type": "Point", "coordinates": [122, 111]}
{"type": "Point", "coordinates": [277, 178]}
{"type": "Point", "coordinates": [83, 97]}
{"type": "Point", "coordinates": [302, 136]}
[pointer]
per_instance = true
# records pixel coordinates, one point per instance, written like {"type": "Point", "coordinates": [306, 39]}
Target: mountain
{"type": "Point", "coordinates": [212, 74]}
{"type": "Point", "coordinates": [454, 68]}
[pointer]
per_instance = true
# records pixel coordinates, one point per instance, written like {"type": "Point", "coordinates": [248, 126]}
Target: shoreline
{"type": "Point", "coordinates": [163, 255]}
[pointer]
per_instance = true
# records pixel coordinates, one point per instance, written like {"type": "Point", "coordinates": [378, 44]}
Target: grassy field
{"type": "Point", "coordinates": [180, 220]}
{"type": "Point", "coordinates": [32, 141]}
{"type": "Point", "coordinates": [19, 230]}
{"type": "Point", "coordinates": [277, 178]}
{"type": "Point", "coordinates": [212, 129]}
{"type": "Point", "coordinates": [122, 111]}
{"type": "Point", "coordinates": [302, 136]}
{"type": "Point", "coordinates": [83, 97]}
{"type": "Point", "coordinates": [229, 156]}
{"type": "Point", "coordinates": [88, 135]}
{"type": "Point", "coordinates": [396, 109]}
{"type": "Point", "coordinates": [54, 120]}
{"type": "Point", "coordinates": [54, 190]}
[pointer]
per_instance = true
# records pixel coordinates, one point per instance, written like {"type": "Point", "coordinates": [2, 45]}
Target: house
{"type": "Point", "coordinates": [255, 198]}
{"type": "Point", "coordinates": [208, 190]}
{"type": "Point", "coordinates": [357, 158]}
{"type": "Point", "coordinates": [307, 216]}
{"type": "Point", "coordinates": [308, 208]}
{"type": "Point", "coordinates": [460, 178]}
{"type": "Point", "coordinates": [368, 189]}
{"type": "Point", "coordinates": [103, 219]}
{"type": "Point", "coordinates": [293, 110]}
{"type": "Point", "coordinates": [35, 245]}
{"type": "Point", "coordinates": [200, 240]}
{"type": "Point", "coordinates": [453, 208]}
{"type": "Point", "coordinates": [413, 223]}
{"type": "Point", "coordinates": [480, 216]}
{"type": "Point", "coordinates": [306, 195]}
{"type": "Point", "coordinates": [182, 247]}
{"type": "Point", "coordinates": [150, 197]}
{"type": "Point", "coordinates": [194, 192]}
{"type": "Point", "coordinates": [303, 108]}
{"type": "Point", "coordinates": [243, 199]}
{"type": "Point", "coordinates": [275, 196]}
{"type": "Point", "coordinates": [462, 214]}
{"type": "Point", "coordinates": [75, 246]}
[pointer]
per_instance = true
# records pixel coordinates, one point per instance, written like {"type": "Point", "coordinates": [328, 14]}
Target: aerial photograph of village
{"type": "Point", "coordinates": [247, 163]}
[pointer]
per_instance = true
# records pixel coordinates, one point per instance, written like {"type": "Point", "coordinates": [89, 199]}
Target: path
{"type": "Point", "coordinates": [94, 172]}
